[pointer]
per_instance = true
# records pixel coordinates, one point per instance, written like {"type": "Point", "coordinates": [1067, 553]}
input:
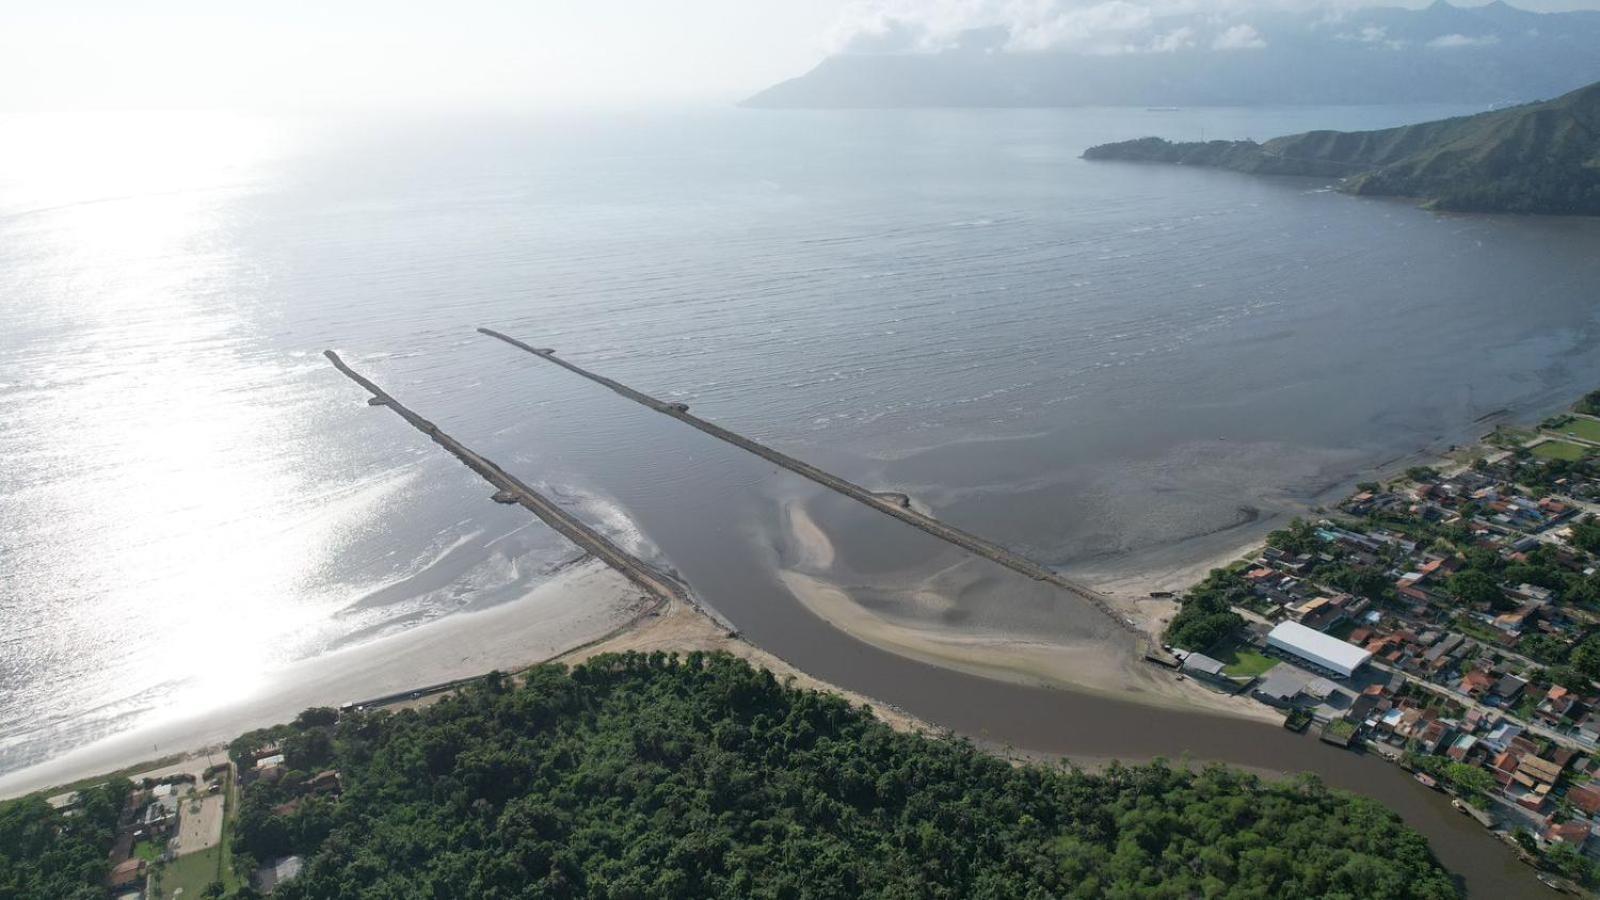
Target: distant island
{"type": "Point", "coordinates": [1537, 158]}
{"type": "Point", "coordinates": [1021, 55]}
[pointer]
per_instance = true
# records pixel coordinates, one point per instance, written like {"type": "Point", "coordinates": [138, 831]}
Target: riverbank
{"type": "Point", "coordinates": [1106, 664]}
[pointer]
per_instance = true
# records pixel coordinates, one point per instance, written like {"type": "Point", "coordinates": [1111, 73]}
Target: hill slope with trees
{"type": "Point", "coordinates": [1538, 158]}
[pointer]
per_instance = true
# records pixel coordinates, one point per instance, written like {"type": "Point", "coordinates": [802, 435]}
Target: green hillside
{"type": "Point", "coordinates": [1538, 158]}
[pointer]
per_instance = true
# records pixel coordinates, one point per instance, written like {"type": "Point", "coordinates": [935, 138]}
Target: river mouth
{"type": "Point", "coordinates": [964, 644]}
{"type": "Point", "coordinates": [1098, 367]}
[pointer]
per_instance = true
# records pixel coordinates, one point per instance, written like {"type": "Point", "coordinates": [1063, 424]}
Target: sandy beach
{"type": "Point", "coordinates": [588, 609]}
{"type": "Point", "coordinates": [579, 605]}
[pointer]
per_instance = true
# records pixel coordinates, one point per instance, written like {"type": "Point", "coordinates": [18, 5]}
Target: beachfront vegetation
{"type": "Point", "coordinates": [48, 855]}
{"type": "Point", "coordinates": [1206, 616]}
{"type": "Point", "coordinates": [1590, 404]}
{"type": "Point", "coordinates": [699, 776]}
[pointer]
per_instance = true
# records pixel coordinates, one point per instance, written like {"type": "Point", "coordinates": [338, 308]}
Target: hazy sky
{"type": "Point", "coordinates": [179, 53]}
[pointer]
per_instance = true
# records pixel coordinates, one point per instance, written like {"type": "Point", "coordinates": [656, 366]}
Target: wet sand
{"type": "Point", "coordinates": [577, 606]}
{"type": "Point", "coordinates": [1108, 666]}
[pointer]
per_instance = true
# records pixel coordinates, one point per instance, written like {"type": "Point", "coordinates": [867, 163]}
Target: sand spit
{"type": "Point", "coordinates": [1107, 667]}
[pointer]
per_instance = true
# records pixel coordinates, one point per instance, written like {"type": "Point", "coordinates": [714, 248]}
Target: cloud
{"type": "Point", "coordinates": [1073, 26]}
{"type": "Point", "coordinates": [1373, 35]}
{"type": "Point", "coordinates": [1173, 41]}
{"type": "Point", "coordinates": [1239, 37]}
{"type": "Point", "coordinates": [1100, 28]}
{"type": "Point", "coordinates": [1456, 41]}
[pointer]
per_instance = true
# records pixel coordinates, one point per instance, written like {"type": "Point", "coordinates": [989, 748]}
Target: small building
{"type": "Point", "coordinates": [1281, 686]}
{"type": "Point", "coordinates": [1574, 833]}
{"type": "Point", "coordinates": [126, 874]}
{"type": "Point", "coordinates": [1508, 689]}
{"type": "Point", "coordinates": [1586, 798]}
{"type": "Point", "coordinates": [1321, 650]}
{"type": "Point", "coordinates": [1203, 666]}
{"type": "Point", "coordinates": [269, 876]}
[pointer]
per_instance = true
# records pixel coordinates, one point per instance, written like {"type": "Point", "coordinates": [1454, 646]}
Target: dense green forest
{"type": "Point", "coordinates": [1536, 158]}
{"type": "Point", "coordinates": [1207, 615]}
{"type": "Point", "coordinates": [47, 855]}
{"type": "Point", "coordinates": [661, 776]}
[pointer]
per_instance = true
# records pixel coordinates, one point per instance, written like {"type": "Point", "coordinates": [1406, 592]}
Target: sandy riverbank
{"type": "Point", "coordinates": [579, 605]}
{"type": "Point", "coordinates": [1110, 667]}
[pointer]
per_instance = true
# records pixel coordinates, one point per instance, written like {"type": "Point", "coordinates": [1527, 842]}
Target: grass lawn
{"type": "Point", "coordinates": [1245, 662]}
{"type": "Point", "coordinates": [190, 874]}
{"type": "Point", "coordinates": [1588, 429]}
{"type": "Point", "coordinates": [1560, 450]}
{"type": "Point", "coordinates": [1474, 628]}
{"type": "Point", "coordinates": [146, 851]}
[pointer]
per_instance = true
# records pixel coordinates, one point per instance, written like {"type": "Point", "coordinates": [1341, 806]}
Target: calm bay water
{"type": "Point", "coordinates": [1096, 363]}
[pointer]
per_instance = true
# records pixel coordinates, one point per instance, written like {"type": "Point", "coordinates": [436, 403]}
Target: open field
{"type": "Point", "coordinates": [199, 824]}
{"type": "Point", "coordinates": [1586, 429]}
{"type": "Point", "coordinates": [1560, 450]}
{"type": "Point", "coordinates": [187, 876]}
{"type": "Point", "coordinates": [1244, 662]}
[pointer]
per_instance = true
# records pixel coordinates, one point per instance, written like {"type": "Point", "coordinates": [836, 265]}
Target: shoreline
{"type": "Point", "coordinates": [587, 587]}
{"type": "Point", "coordinates": [1130, 588]}
{"type": "Point", "coordinates": [580, 604]}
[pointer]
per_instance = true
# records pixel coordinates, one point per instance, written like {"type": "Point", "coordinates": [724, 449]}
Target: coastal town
{"type": "Point", "coordinates": [1447, 619]}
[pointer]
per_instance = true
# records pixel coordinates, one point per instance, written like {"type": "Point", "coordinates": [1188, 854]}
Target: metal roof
{"type": "Point", "coordinates": [1318, 646]}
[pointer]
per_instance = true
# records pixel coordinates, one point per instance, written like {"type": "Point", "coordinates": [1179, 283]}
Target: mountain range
{"type": "Point", "coordinates": [1537, 158]}
{"type": "Point", "coordinates": [1490, 55]}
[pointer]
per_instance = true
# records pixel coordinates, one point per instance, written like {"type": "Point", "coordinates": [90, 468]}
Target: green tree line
{"type": "Point", "coordinates": [699, 776]}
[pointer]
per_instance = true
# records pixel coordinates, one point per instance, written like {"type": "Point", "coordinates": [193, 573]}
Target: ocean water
{"type": "Point", "coordinates": [1096, 363]}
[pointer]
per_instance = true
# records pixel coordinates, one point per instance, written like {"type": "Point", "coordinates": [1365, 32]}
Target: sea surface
{"type": "Point", "coordinates": [1100, 364]}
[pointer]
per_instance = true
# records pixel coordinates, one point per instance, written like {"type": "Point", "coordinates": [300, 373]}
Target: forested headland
{"type": "Point", "coordinates": [1537, 158]}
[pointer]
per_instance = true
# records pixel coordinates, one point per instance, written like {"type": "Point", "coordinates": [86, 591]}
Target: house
{"type": "Point", "coordinates": [269, 876]}
{"type": "Point", "coordinates": [1586, 798]}
{"type": "Point", "coordinates": [328, 782]}
{"type": "Point", "coordinates": [1589, 728]}
{"type": "Point", "coordinates": [1501, 736]}
{"type": "Point", "coordinates": [126, 874]}
{"type": "Point", "coordinates": [1538, 775]}
{"type": "Point", "coordinates": [1476, 683]}
{"type": "Point", "coordinates": [1461, 747]}
{"type": "Point", "coordinates": [1516, 622]}
{"type": "Point", "coordinates": [1435, 735]}
{"type": "Point", "coordinates": [1508, 689]}
{"type": "Point", "coordinates": [1558, 705]}
{"type": "Point", "coordinates": [1574, 833]}
{"type": "Point", "coordinates": [1503, 766]}
{"type": "Point", "coordinates": [1532, 594]}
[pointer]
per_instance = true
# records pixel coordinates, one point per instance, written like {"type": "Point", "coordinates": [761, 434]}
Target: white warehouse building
{"type": "Point", "coordinates": [1324, 651]}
